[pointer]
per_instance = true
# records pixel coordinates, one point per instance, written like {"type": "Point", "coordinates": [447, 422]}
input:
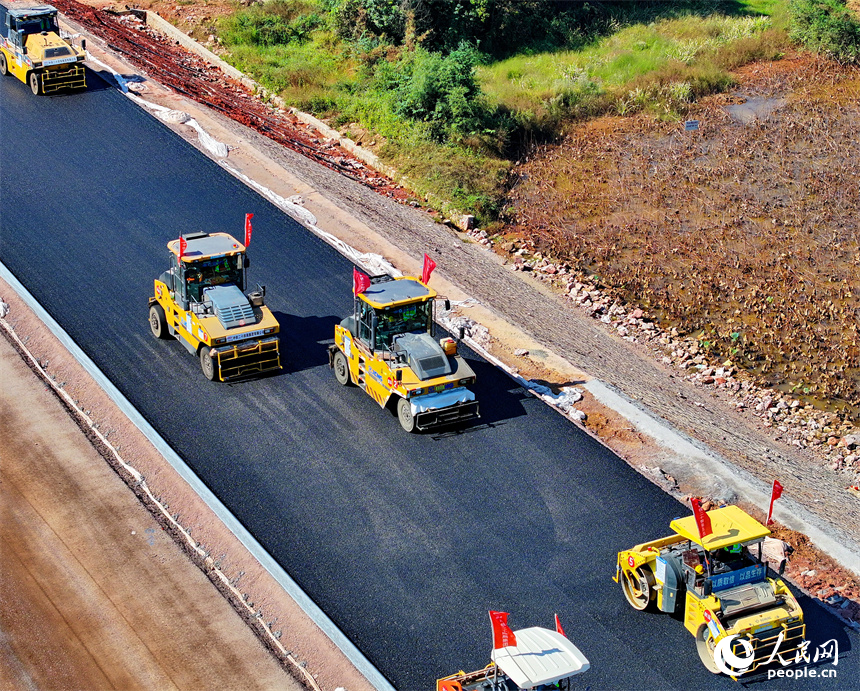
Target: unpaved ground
{"type": "Point", "coordinates": [114, 581]}
{"type": "Point", "coordinates": [742, 232]}
{"type": "Point", "coordinates": [95, 595]}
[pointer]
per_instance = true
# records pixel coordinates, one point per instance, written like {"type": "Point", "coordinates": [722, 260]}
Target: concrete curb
{"type": "Point", "coordinates": [722, 474]}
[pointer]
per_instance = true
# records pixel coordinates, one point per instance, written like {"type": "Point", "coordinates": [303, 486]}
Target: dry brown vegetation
{"type": "Point", "coordinates": [743, 232]}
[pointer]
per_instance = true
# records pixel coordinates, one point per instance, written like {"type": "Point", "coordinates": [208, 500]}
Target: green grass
{"type": "Point", "coordinates": [827, 27]}
{"type": "Point", "coordinates": [660, 66]}
{"type": "Point", "coordinates": [303, 74]}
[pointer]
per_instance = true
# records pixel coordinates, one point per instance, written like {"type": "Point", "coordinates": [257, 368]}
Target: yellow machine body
{"type": "Point", "coordinates": [233, 334]}
{"type": "Point", "coordinates": [392, 321]}
{"type": "Point", "coordinates": [32, 49]}
{"type": "Point", "coordinates": [721, 585]}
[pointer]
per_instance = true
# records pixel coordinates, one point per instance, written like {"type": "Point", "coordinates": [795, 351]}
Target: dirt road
{"type": "Point", "coordinates": [95, 594]}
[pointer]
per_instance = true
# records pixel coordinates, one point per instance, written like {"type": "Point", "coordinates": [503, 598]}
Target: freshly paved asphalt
{"type": "Point", "coordinates": [404, 540]}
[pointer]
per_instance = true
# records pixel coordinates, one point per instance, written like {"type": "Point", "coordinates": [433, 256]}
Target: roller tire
{"type": "Point", "coordinates": [405, 416]}
{"type": "Point", "coordinates": [35, 83]}
{"type": "Point", "coordinates": [4, 67]}
{"type": "Point", "coordinates": [638, 587]}
{"type": "Point", "coordinates": [341, 369]}
{"type": "Point", "coordinates": [207, 364]}
{"type": "Point", "coordinates": [705, 648]}
{"type": "Point", "coordinates": [158, 322]}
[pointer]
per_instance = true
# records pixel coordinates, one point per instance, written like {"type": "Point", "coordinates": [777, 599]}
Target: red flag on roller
{"type": "Point", "coordinates": [429, 265]}
{"type": "Point", "coordinates": [703, 521]}
{"type": "Point", "coordinates": [248, 229]}
{"type": "Point", "coordinates": [502, 634]}
{"type": "Point", "coordinates": [774, 495]}
{"type": "Point", "coordinates": [558, 626]}
{"type": "Point", "coordinates": [360, 282]}
{"type": "Point", "coordinates": [183, 245]}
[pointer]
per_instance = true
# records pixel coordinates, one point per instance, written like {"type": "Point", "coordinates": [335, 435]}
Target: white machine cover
{"type": "Point", "coordinates": [541, 656]}
{"type": "Point", "coordinates": [443, 399]}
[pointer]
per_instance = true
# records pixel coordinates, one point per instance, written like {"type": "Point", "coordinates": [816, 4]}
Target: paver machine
{"type": "Point", "coordinates": [201, 301]}
{"type": "Point", "coordinates": [32, 49]}
{"type": "Point", "coordinates": [532, 658]}
{"type": "Point", "coordinates": [386, 347]}
{"type": "Point", "coordinates": [723, 587]}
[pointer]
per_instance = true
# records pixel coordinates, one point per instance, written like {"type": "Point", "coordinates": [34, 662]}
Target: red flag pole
{"type": "Point", "coordinates": [503, 636]}
{"type": "Point", "coordinates": [429, 265]}
{"type": "Point", "coordinates": [248, 229]}
{"type": "Point", "coordinates": [703, 521]}
{"type": "Point", "coordinates": [775, 494]}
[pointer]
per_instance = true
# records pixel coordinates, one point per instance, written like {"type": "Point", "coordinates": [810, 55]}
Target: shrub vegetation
{"type": "Point", "coordinates": [458, 88]}
{"type": "Point", "coordinates": [828, 27]}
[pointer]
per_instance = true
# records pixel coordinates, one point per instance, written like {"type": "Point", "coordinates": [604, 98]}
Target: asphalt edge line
{"type": "Point", "coordinates": [308, 606]}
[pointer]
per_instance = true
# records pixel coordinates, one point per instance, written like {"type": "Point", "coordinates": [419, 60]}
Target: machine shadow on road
{"type": "Point", "coordinates": [304, 340]}
{"type": "Point", "coordinates": [499, 396]}
{"type": "Point", "coordinates": [823, 628]}
{"type": "Point", "coordinates": [99, 80]}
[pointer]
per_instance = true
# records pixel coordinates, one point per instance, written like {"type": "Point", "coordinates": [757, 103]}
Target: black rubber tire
{"type": "Point", "coordinates": [341, 369]}
{"type": "Point", "coordinates": [4, 67]}
{"type": "Point", "coordinates": [35, 83]}
{"type": "Point", "coordinates": [405, 416]}
{"type": "Point", "coordinates": [158, 322]}
{"type": "Point", "coordinates": [638, 587]}
{"type": "Point", "coordinates": [207, 364]}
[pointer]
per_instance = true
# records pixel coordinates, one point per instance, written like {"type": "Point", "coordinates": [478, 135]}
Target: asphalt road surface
{"type": "Point", "coordinates": [404, 540]}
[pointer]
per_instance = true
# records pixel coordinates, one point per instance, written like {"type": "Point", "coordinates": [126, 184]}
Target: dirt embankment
{"type": "Point", "coordinates": [741, 233]}
{"type": "Point", "coordinates": [105, 587]}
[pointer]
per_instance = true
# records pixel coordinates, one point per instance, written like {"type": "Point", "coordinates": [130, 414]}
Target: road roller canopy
{"type": "Point", "coordinates": [730, 526]}
{"type": "Point", "coordinates": [207, 246]}
{"type": "Point", "coordinates": [385, 291]}
{"type": "Point", "coordinates": [28, 18]}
